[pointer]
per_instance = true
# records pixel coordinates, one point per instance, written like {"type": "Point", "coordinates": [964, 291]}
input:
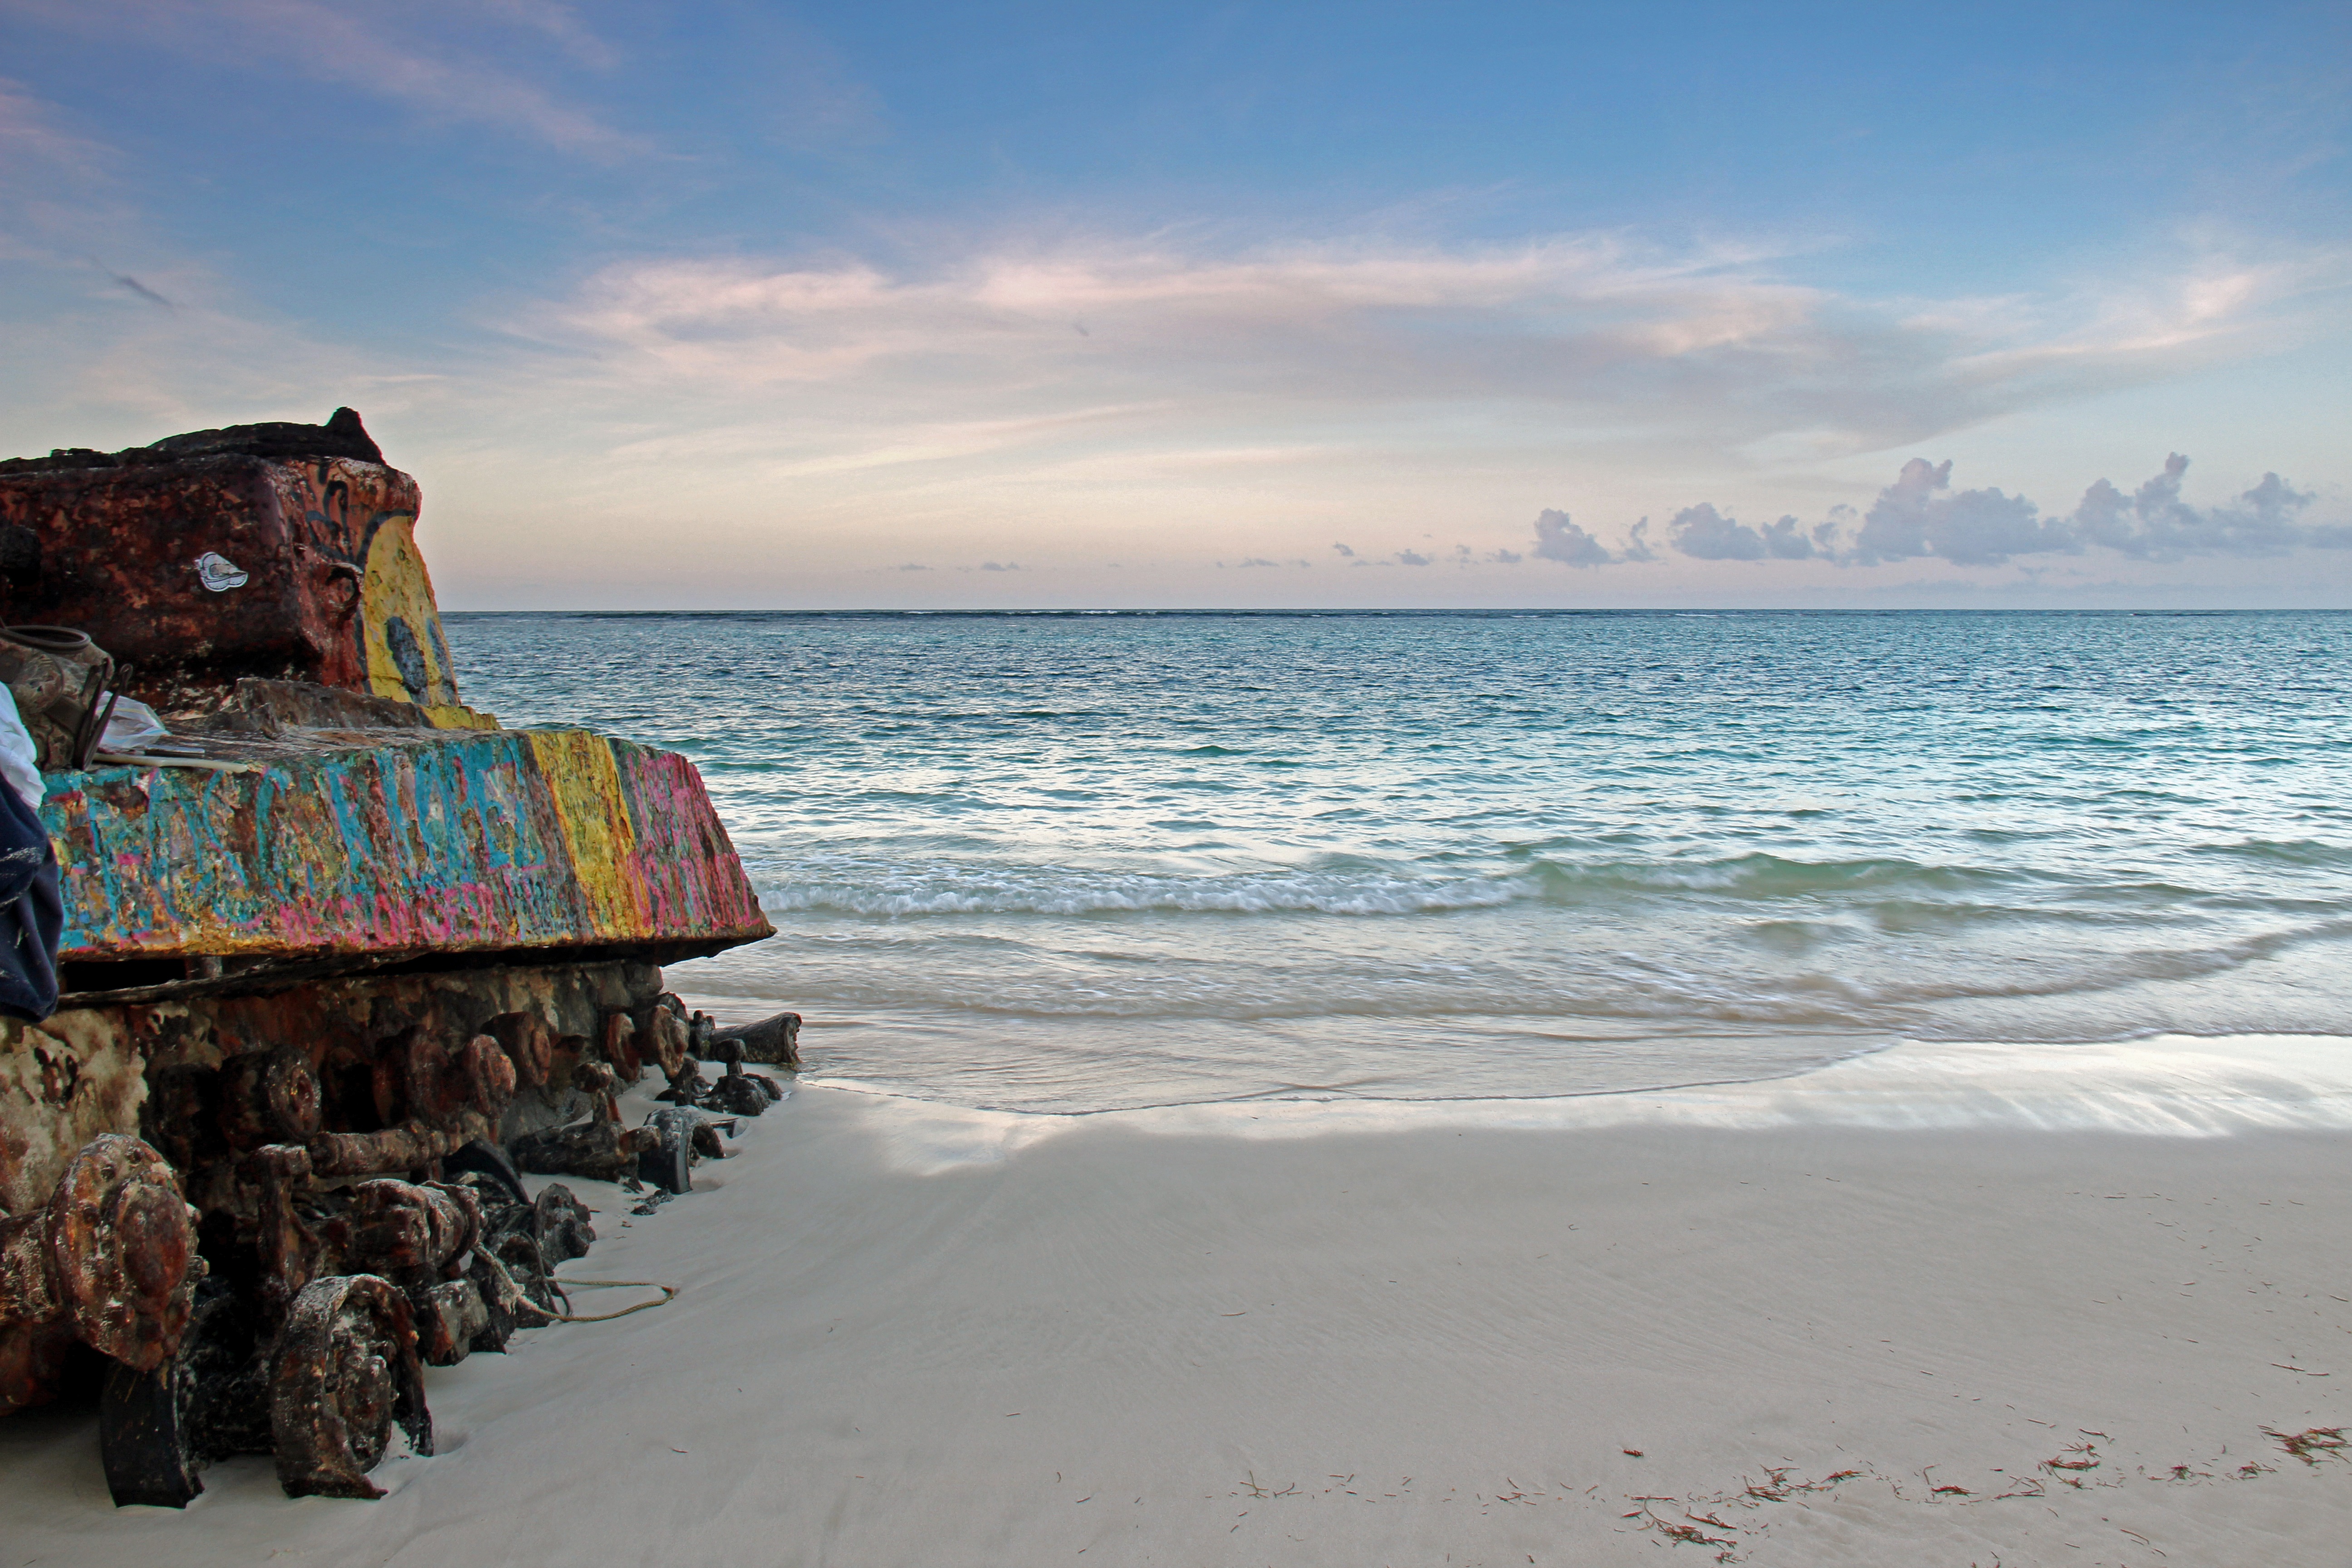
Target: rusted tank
{"type": "Point", "coordinates": [286, 552]}
{"type": "Point", "coordinates": [331, 969]}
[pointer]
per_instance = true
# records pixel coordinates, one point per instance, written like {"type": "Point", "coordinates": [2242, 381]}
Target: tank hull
{"type": "Point", "coordinates": [393, 844]}
{"type": "Point", "coordinates": [342, 959]}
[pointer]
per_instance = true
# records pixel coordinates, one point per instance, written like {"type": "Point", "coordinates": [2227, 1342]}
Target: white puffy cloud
{"type": "Point", "coordinates": [1914, 517]}
{"type": "Point", "coordinates": [1919, 516]}
{"type": "Point", "coordinates": [1703, 534]}
{"type": "Point", "coordinates": [1557, 538]}
{"type": "Point", "coordinates": [2156, 524]}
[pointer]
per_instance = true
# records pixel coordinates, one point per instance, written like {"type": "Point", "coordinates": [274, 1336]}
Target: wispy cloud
{"type": "Point", "coordinates": [562, 24]}
{"type": "Point", "coordinates": [30, 134]}
{"type": "Point", "coordinates": [56, 192]}
{"type": "Point", "coordinates": [1612, 338]}
{"type": "Point", "coordinates": [442, 59]}
{"type": "Point", "coordinates": [1348, 392]}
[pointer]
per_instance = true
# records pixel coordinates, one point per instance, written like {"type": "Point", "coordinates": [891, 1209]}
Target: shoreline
{"type": "Point", "coordinates": [2167, 1085]}
{"type": "Point", "coordinates": [915, 1334]}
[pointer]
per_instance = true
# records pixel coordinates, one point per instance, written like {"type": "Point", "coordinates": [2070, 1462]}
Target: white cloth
{"type": "Point", "coordinates": [20, 760]}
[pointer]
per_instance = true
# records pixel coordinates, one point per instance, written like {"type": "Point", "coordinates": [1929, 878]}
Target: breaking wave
{"type": "Point", "coordinates": [954, 891]}
{"type": "Point", "coordinates": [891, 890]}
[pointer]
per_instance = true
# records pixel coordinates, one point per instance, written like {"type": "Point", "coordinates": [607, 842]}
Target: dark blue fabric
{"type": "Point", "coordinates": [32, 915]}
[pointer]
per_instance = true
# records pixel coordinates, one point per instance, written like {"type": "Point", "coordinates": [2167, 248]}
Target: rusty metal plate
{"type": "Point", "coordinates": [326, 582]}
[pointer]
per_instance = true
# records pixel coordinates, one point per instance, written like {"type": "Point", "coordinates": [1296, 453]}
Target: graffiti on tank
{"type": "Point", "coordinates": [483, 841]}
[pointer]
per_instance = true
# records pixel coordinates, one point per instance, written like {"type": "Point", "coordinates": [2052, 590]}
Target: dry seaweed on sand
{"type": "Point", "coordinates": [2313, 1445]}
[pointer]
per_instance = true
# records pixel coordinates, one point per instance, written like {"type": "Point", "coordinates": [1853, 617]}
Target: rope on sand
{"type": "Point", "coordinates": [563, 1287]}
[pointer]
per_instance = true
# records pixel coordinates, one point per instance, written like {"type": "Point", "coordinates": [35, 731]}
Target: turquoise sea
{"type": "Point", "coordinates": [1063, 862]}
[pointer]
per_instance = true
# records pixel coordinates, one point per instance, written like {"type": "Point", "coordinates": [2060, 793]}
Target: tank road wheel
{"type": "Point", "coordinates": [347, 1370]}
{"type": "Point", "coordinates": [666, 1164]}
{"type": "Point", "coordinates": [146, 1434]}
{"type": "Point", "coordinates": [157, 1428]}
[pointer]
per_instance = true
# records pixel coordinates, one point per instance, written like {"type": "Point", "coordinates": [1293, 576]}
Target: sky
{"type": "Point", "coordinates": [734, 305]}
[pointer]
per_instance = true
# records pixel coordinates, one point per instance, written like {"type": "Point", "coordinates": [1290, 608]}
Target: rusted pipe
{"type": "Point", "coordinates": [288, 1247]}
{"type": "Point", "coordinates": [406, 1148]}
{"type": "Point", "coordinates": [774, 1039]}
{"type": "Point", "coordinates": [400, 1230]}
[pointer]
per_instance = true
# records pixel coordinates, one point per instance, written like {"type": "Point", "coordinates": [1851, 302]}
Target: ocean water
{"type": "Point", "coordinates": [1072, 862]}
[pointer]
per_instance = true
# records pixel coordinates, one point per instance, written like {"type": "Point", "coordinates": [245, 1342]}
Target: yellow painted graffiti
{"type": "Point", "coordinates": [579, 768]}
{"type": "Point", "coordinates": [406, 658]}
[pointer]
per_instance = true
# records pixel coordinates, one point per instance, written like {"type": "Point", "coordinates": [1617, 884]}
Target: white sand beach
{"type": "Point", "coordinates": [1940, 1306]}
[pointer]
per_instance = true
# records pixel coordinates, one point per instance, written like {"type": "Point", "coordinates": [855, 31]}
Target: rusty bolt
{"type": "Point", "coordinates": [528, 1042]}
{"type": "Point", "coordinates": [663, 1041]}
{"type": "Point", "coordinates": [268, 1097]}
{"type": "Point", "coordinates": [485, 1078]}
{"type": "Point", "coordinates": [620, 1044]}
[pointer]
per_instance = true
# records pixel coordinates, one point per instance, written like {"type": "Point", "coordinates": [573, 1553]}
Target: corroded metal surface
{"type": "Point", "coordinates": [402, 842]}
{"type": "Point", "coordinates": [776, 1038]}
{"type": "Point", "coordinates": [281, 550]}
{"type": "Point", "coordinates": [119, 1245]}
{"type": "Point", "coordinates": [270, 1097]}
{"type": "Point", "coordinates": [347, 1370]}
{"type": "Point", "coordinates": [62, 1083]}
{"type": "Point", "coordinates": [270, 1104]}
{"type": "Point", "coordinates": [352, 1146]}
{"type": "Point", "coordinates": [334, 591]}
{"type": "Point", "coordinates": [185, 1073]}
{"type": "Point", "coordinates": [105, 1261]}
{"type": "Point", "coordinates": [349, 963]}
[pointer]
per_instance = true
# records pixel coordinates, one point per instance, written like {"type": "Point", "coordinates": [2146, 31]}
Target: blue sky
{"type": "Point", "coordinates": [889, 304]}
